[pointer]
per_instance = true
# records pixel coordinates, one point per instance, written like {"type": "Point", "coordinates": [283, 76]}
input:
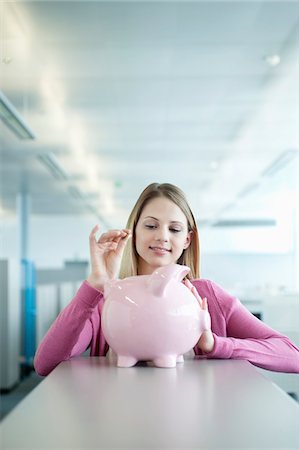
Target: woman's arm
{"type": "Point", "coordinates": [71, 332]}
{"type": "Point", "coordinates": [250, 339]}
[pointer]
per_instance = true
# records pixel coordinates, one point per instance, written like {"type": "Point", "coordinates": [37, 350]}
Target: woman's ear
{"type": "Point", "coordinates": [188, 240]}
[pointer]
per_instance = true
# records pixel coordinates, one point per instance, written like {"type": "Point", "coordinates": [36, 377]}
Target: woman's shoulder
{"type": "Point", "coordinates": [209, 285]}
{"type": "Point", "coordinates": [204, 284]}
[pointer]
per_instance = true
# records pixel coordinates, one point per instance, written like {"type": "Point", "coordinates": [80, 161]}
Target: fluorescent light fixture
{"type": "Point", "coordinates": [13, 120]}
{"type": "Point", "coordinates": [76, 193]}
{"type": "Point", "coordinates": [245, 223]}
{"type": "Point", "coordinates": [50, 161]}
{"type": "Point", "coordinates": [248, 190]}
{"type": "Point", "coordinates": [280, 162]}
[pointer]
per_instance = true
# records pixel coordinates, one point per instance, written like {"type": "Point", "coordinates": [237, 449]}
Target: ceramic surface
{"type": "Point", "coordinates": [152, 317]}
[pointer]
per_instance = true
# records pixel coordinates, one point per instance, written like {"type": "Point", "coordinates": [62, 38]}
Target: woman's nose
{"type": "Point", "coordinates": [162, 235]}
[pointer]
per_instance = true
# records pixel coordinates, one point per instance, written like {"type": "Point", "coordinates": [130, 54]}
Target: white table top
{"type": "Point", "coordinates": [201, 404]}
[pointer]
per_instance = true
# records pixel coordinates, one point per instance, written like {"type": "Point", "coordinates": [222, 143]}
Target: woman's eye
{"type": "Point", "coordinates": [174, 230]}
{"type": "Point", "coordinates": [150, 226]}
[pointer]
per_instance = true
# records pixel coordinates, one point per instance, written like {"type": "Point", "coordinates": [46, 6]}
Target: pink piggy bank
{"type": "Point", "coordinates": [152, 317]}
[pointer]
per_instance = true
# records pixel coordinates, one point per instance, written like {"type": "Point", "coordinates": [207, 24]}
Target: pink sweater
{"type": "Point", "coordinates": [238, 334]}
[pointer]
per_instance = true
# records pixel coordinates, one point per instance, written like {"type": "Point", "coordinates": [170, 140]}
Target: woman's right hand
{"type": "Point", "coordinates": [105, 255]}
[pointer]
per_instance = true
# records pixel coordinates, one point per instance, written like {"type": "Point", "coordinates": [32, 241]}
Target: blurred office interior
{"type": "Point", "coordinates": [99, 99]}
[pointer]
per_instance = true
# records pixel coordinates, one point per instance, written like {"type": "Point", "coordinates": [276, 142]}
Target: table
{"type": "Point", "coordinates": [201, 404]}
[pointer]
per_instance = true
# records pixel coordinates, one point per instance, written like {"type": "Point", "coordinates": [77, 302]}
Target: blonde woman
{"type": "Point", "coordinates": [161, 230]}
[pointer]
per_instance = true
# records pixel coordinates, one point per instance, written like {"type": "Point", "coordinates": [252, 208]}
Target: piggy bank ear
{"type": "Point", "coordinates": [174, 271]}
{"type": "Point", "coordinates": [182, 271]}
{"type": "Point", "coordinates": [161, 277]}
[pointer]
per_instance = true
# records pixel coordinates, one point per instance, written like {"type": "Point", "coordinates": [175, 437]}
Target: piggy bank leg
{"type": "Point", "coordinates": [126, 361]}
{"type": "Point", "coordinates": [180, 359]}
{"type": "Point", "coordinates": [165, 361]}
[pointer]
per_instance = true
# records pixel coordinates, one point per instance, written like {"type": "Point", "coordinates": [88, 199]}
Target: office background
{"type": "Point", "coordinates": [99, 99]}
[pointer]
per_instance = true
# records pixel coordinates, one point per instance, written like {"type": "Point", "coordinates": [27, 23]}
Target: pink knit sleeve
{"type": "Point", "coordinates": [71, 332]}
{"type": "Point", "coordinates": [250, 339]}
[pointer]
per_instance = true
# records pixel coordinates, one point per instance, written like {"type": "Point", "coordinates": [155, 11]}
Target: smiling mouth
{"type": "Point", "coordinates": [160, 249]}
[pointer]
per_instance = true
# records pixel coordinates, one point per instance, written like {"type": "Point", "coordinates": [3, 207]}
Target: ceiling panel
{"type": "Point", "coordinates": [126, 93]}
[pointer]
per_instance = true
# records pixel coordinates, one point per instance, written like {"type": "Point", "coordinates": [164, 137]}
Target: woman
{"type": "Point", "coordinates": [161, 230]}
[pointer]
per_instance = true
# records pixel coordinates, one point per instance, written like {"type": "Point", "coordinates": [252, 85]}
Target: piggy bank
{"type": "Point", "coordinates": [152, 317]}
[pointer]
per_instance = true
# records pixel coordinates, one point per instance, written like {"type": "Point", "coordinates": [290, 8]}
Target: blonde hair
{"type": "Point", "coordinates": [190, 256]}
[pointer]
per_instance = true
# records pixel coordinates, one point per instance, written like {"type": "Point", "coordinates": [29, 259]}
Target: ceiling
{"type": "Point", "coordinates": [122, 94]}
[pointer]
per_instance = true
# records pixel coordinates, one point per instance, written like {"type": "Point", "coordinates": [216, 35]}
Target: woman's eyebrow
{"type": "Point", "coordinates": [172, 221]}
{"type": "Point", "coordinates": [151, 217]}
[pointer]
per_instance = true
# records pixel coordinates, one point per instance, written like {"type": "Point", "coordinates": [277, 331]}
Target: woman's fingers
{"type": "Point", "coordinates": [205, 304]}
{"type": "Point", "coordinates": [196, 294]}
{"type": "Point", "coordinates": [92, 236]}
{"type": "Point", "coordinates": [112, 235]}
{"type": "Point", "coordinates": [112, 240]}
{"type": "Point", "coordinates": [193, 289]}
{"type": "Point", "coordinates": [94, 231]}
{"type": "Point", "coordinates": [123, 241]}
{"type": "Point", "coordinates": [109, 236]}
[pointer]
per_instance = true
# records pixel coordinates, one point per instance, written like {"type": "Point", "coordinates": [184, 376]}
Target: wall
{"type": "Point", "coordinates": [52, 239]}
{"type": "Point", "coordinates": [250, 258]}
{"type": "Point", "coordinates": [232, 257]}
{"type": "Point", "coordinates": [239, 272]}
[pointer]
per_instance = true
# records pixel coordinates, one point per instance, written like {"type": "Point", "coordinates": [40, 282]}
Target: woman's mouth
{"type": "Point", "coordinates": [160, 250]}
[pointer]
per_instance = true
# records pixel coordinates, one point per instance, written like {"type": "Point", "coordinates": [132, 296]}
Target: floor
{"type": "Point", "coordinates": [9, 400]}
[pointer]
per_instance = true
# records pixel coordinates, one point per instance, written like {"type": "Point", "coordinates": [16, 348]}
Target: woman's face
{"type": "Point", "coordinates": [161, 235]}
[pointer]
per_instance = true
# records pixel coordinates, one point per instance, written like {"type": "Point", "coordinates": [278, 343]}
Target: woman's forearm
{"type": "Point", "coordinates": [70, 333]}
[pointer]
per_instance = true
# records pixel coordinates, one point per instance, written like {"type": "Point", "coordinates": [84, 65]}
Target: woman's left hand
{"type": "Point", "coordinates": [206, 341]}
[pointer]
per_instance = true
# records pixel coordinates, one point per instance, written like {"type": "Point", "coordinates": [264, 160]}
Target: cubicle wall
{"type": "Point", "coordinates": [10, 331]}
{"type": "Point", "coordinates": [28, 313]}
{"type": "Point", "coordinates": [55, 289]}
{"type": "Point", "coordinates": [19, 336]}
{"type": "Point", "coordinates": [50, 300]}
{"type": "Point", "coordinates": [47, 309]}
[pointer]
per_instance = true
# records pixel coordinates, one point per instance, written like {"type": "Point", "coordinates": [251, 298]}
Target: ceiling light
{"type": "Point", "coordinates": [76, 193]}
{"type": "Point", "coordinates": [13, 120]}
{"type": "Point", "coordinates": [50, 161]}
{"type": "Point", "coordinates": [245, 223]}
{"type": "Point", "coordinates": [248, 190]}
{"type": "Point", "coordinates": [285, 158]}
{"type": "Point", "coordinates": [272, 60]}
